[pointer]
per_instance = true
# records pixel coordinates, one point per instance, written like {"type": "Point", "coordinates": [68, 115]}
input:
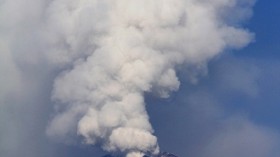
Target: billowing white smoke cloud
{"type": "Point", "coordinates": [111, 53]}
{"type": "Point", "coordinates": [120, 49]}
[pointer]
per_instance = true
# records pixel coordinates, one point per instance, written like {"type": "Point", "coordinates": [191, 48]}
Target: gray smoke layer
{"type": "Point", "coordinates": [111, 52]}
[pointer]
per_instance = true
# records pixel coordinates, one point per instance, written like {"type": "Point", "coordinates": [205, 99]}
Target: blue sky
{"type": "Point", "coordinates": [258, 64]}
{"type": "Point", "coordinates": [264, 24]}
{"type": "Point", "coordinates": [231, 109]}
{"type": "Point", "coordinates": [265, 54]}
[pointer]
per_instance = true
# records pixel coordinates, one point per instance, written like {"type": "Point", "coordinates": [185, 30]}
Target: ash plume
{"type": "Point", "coordinates": [133, 47]}
{"type": "Point", "coordinates": [109, 53]}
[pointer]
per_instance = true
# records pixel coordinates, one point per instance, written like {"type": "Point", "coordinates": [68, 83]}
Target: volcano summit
{"type": "Point", "coordinates": [163, 154]}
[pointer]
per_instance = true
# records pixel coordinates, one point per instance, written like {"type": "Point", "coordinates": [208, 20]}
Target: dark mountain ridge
{"type": "Point", "coordinates": [163, 154]}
